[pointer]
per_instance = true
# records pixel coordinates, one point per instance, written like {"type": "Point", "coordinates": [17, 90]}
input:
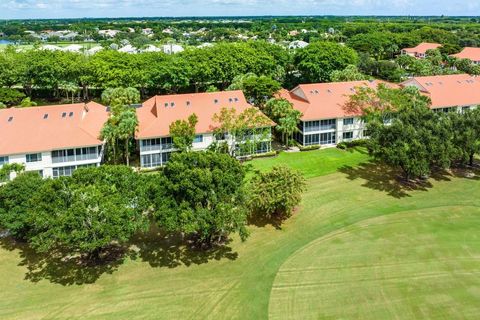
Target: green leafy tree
{"type": "Point", "coordinates": [257, 89]}
{"type": "Point", "coordinates": [10, 97]}
{"type": "Point", "coordinates": [16, 204]}
{"type": "Point", "coordinates": [317, 61]}
{"type": "Point", "coordinates": [466, 134]}
{"type": "Point", "coordinates": [183, 132]}
{"type": "Point", "coordinates": [350, 73]}
{"type": "Point", "coordinates": [85, 214]}
{"type": "Point", "coordinates": [123, 122]}
{"type": "Point", "coordinates": [202, 197]}
{"type": "Point", "coordinates": [240, 129]}
{"type": "Point", "coordinates": [276, 193]}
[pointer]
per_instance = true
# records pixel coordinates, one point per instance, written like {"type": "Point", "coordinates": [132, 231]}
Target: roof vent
{"type": "Point", "coordinates": [172, 104]}
{"type": "Point", "coordinates": [188, 103]}
{"type": "Point", "coordinates": [10, 119]}
{"type": "Point", "coordinates": [70, 114]}
{"type": "Point", "coordinates": [45, 116]}
{"type": "Point", "coordinates": [166, 104]}
{"type": "Point", "coordinates": [329, 91]}
{"type": "Point", "coordinates": [64, 114]}
{"type": "Point", "coordinates": [215, 101]}
{"type": "Point", "coordinates": [316, 91]}
{"type": "Point", "coordinates": [230, 100]}
{"type": "Point", "coordinates": [236, 99]}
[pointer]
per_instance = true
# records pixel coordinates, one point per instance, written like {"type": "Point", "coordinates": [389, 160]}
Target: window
{"type": "Point", "coordinates": [320, 125]}
{"type": "Point", "coordinates": [3, 160]}
{"type": "Point", "coordinates": [347, 121]}
{"type": "Point", "coordinates": [312, 139]}
{"type": "Point", "coordinates": [220, 136]}
{"type": "Point", "coordinates": [198, 138]}
{"type": "Point", "coordinates": [366, 133]}
{"type": "Point", "coordinates": [63, 171]}
{"type": "Point", "coordinates": [68, 170]}
{"type": "Point", "coordinates": [465, 109]}
{"type": "Point", "coordinates": [263, 147]}
{"type": "Point", "coordinates": [327, 138]}
{"type": "Point", "coordinates": [79, 154]}
{"type": "Point", "coordinates": [34, 157]}
{"type": "Point", "coordinates": [348, 135]}
{"type": "Point", "coordinates": [150, 144]}
{"type": "Point", "coordinates": [167, 143]}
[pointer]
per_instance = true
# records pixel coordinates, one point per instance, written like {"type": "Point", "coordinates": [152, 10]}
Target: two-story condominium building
{"type": "Point", "coordinates": [455, 92]}
{"type": "Point", "coordinates": [472, 54]}
{"type": "Point", "coordinates": [52, 140]}
{"type": "Point", "coordinates": [156, 114]}
{"type": "Point", "coordinates": [420, 51]}
{"type": "Point", "coordinates": [324, 120]}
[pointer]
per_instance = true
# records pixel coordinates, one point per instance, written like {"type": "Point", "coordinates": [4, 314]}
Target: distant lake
{"type": "Point", "coordinates": [5, 42]}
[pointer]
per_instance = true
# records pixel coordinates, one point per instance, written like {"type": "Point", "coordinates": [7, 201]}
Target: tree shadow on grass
{"type": "Point", "coordinates": [170, 250]}
{"type": "Point", "coordinates": [381, 177]}
{"type": "Point", "coordinates": [63, 269]}
{"type": "Point", "coordinates": [155, 248]}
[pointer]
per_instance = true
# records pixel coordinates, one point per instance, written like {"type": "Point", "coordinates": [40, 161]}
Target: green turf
{"type": "Point", "coordinates": [314, 163]}
{"type": "Point", "coordinates": [380, 251]}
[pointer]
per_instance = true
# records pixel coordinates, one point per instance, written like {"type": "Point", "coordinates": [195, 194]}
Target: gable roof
{"type": "Point", "coordinates": [448, 90]}
{"type": "Point", "coordinates": [157, 113]}
{"type": "Point", "coordinates": [422, 47]}
{"type": "Point", "coordinates": [36, 129]}
{"type": "Point", "coordinates": [324, 100]}
{"type": "Point", "coordinates": [468, 53]}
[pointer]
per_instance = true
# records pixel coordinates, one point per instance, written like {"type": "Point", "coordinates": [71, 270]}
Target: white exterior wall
{"type": "Point", "coordinates": [46, 164]}
{"type": "Point", "coordinates": [208, 139]}
{"type": "Point", "coordinates": [356, 128]}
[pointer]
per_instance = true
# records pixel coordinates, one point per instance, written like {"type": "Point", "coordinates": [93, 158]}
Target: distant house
{"type": "Point", "coordinates": [93, 50]}
{"type": "Point", "coordinates": [128, 49]}
{"type": "Point", "coordinates": [420, 51]}
{"type": "Point", "coordinates": [147, 31]}
{"type": "Point", "coordinates": [108, 33]}
{"type": "Point", "coordinates": [171, 48]}
{"type": "Point", "coordinates": [50, 47]}
{"type": "Point", "coordinates": [73, 48]}
{"type": "Point", "coordinates": [297, 44]}
{"type": "Point", "coordinates": [472, 54]}
{"type": "Point", "coordinates": [157, 113]}
{"type": "Point", "coordinates": [151, 48]}
{"type": "Point", "coordinates": [52, 140]}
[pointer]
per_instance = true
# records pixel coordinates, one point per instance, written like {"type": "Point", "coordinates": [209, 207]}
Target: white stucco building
{"type": "Point", "coordinates": [52, 140]}
{"type": "Point", "coordinates": [157, 113]}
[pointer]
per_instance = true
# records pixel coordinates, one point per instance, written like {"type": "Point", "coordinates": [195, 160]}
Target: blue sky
{"type": "Point", "coordinates": [15, 9]}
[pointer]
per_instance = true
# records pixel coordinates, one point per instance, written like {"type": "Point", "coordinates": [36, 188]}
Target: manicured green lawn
{"type": "Point", "coordinates": [360, 246]}
{"type": "Point", "coordinates": [314, 163]}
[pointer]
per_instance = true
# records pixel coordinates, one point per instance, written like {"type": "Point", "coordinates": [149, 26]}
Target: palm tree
{"type": "Point", "coordinates": [127, 127]}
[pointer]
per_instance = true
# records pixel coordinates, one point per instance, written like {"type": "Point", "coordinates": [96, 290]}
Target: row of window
{"type": "Point", "coordinates": [328, 137]}
{"type": "Point", "coordinates": [67, 171]}
{"type": "Point", "coordinates": [320, 138]}
{"type": "Point", "coordinates": [79, 154]}
{"type": "Point", "coordinates": [34, 157]}
{"type": "Point", "coordinates": [154, 160]}
{"type": "Point", "coordinates": [156, 144]}
{"type": "Point", "coordinates": [249, 149]}
{"type": "Point", "coordinates": [319, 125]}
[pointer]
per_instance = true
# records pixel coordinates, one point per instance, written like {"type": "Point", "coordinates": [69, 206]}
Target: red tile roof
{"type": "Point", "coordinates": [157, 113]}
{"type": "Point", "coordinates": [422, 48]}
{"type": "Point", "coordinates": [468, 53]}
{"type": "Point", "coordinates": [36, 129]}
{"type": "Point", "coordinates": [324, 100]}
{"type": "Point", "coordinates": [449, 90]}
